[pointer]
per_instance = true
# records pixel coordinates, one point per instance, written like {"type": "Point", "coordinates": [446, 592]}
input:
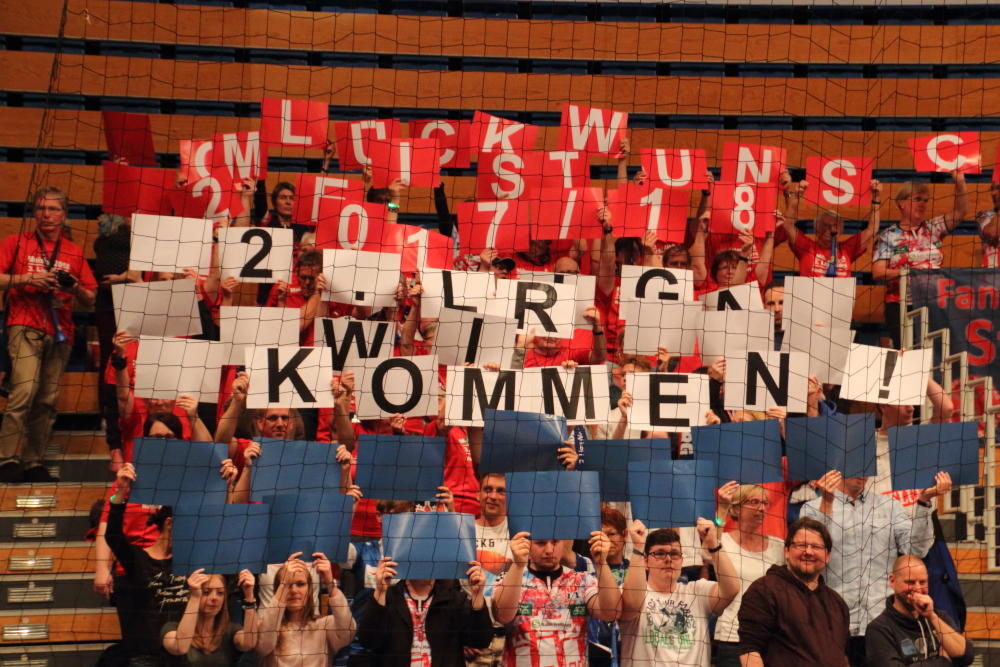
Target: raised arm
{"type": "Point", "coordinates": [728, 587]}
{"type": "Point", "coordinates": [699, 263]}
{"type": "Point", "coordinates": [226, 431]}
{"type": "Point", "coordinates": [624, 150]}
{"type": "Point", "coordinates": [957, 215]}
{"type": "Point", "coordinates": [507, 594]}
{"type": "Point", "coordinates": [634, 586]}
{"type": "Point", "coordinates": [344, 391]}
{"type": "Point", "coordinates": [179, 641]}
{"type": "Point", "coordinates": [875, 217]}
{"type": "Point", "coordinates": [606, 265]}
{"type": "Point", "coordinates": [606, 605]}
{"type": "Point", "coordinates": [199, 432]}
{"type": "Point", "coordinates": [123, 388]}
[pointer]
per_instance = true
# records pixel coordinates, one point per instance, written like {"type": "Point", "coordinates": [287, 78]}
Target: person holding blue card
{"type": "Point", "coordinates": [290, 632]}
{"type": "Point", "coordinates": [424, 622]}
{"type": "Point", "coordinates": [663, 621]}
{"type": "Point", "coordinates": [546, 605]}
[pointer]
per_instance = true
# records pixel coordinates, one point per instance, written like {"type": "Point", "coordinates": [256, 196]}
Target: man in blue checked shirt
{"type": "Point", "coordinates": [869, 531]}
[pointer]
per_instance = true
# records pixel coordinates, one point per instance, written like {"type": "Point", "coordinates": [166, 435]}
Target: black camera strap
{"type": "Point", "coordinates": [49, 262]}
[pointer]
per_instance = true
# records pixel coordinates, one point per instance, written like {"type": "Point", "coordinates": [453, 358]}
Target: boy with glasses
{"type": "Point", "coordinates": [664, 621]}
{"type": "Point", "coordinates": [790, 616]}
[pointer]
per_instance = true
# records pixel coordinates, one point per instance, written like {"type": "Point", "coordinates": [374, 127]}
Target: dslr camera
{"type": "Point", "coordinates": [64, 278]}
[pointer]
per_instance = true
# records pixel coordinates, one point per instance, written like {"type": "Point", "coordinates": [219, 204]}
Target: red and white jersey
{"type": "Point", "coordinates": [550, 629]}
{"type": "Point", "coordinates": [991, 251]}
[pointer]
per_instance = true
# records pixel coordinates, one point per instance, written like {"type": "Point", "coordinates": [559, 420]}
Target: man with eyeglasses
{"type": "Point", "coordinates": [790, 617]}
{"type": "Point", "coordinates": [869, 530]}
{"type": "Point", "coordinates": [664, 621]}
{"type": "Point", "coordinates": [43, 273]}
{"type": "Point", "coordinates": [493, 551]}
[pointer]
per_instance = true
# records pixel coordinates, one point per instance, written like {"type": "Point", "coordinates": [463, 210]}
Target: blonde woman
{"type": "Point", "coordinates": [205, 636]}
{"type": "Point", "coordinates": [750, 551]}
{"type": "Point", "coordinates": [290, 632]}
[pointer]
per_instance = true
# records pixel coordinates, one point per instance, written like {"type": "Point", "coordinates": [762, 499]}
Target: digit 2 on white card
{"type": "Point", "coordinates": [257, 254]}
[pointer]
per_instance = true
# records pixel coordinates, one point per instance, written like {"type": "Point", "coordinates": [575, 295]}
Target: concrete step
{"type": "Point", "coordinates": [64, 655]}
{"type": "Point", "coordinates": [63, 496]}
{"type": "Point", "coordinates": [52, 527]}
{"type": "Point", "coordinates": [49, 591]}
{"type": "Point", "coordinates": [44, 626]}
{"type": "Point", "coordinates": [69, 557]}
{"type": "Point", "coordinates": [76, 442]}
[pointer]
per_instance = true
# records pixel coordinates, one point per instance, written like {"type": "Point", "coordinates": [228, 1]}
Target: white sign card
{"type": "Point", "coordinates": [767, 379]}
{"type": "Point", "coordinates": [657, 284]}
{"type": "Point", "coordinates": [289, 377]}
{"type": "Point", "coordinates": [167, 308]}
{"type": "Point", "coordinates": [667, 402]}
{"type": "Point", "coordinates": [824, 302]}
{"type": "Point", "coordinates": [544, 309]}
{"type": "Point", "coordinates": [729, 331]}
{"type": "Point", "coordinates": [475, 338]}
{"type": "Point", "coordinates": [168, 367]}
{"type": "Point", "coordinates": [580, 394]}
{"type": "Point", "coordinates": [586, 288]}
{"type": "Point", "coordinates": [401, 385]}
{"type": "Point", "coordinates": [675, 326]}
{"type": "Point", "coordinates": [257, 254]}
{"type": "Point", "coordinates": [737, 297]}
{"type": "Point", "coordinates": [170, 244]}
{"type": "Point", "coordinates": [361, 278]}
{"type": "Point", "coordinates": [250, 326]}
{"type": "Point", "coordinates": [458, 290]}
{"type": "Point", "coordinates": [471, 391]}
{"type": "Point", "coordinates": [892, 377]}
{"type": "Point", "coordinates": [354, 341]}
{"type": "Point", "coordinates": [827, 348]}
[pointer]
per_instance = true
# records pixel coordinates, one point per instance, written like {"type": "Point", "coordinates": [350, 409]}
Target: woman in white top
{"type": "Point", "coordinates": [751, 553]}
{"type": "Point", "coordinates": [290, 632]}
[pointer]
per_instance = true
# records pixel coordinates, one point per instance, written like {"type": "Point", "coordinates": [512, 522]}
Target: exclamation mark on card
{"type": "Point", "coordinates": [890, 366]}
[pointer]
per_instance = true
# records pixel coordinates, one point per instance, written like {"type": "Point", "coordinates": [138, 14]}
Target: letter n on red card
{"type": "Point", "coordinates": [637, 209]}
{"type": "Point", "coordinates": [453, 138]}
{"type": "Point", "coordinates": [750, 163]}
{"type": "Point", "coordinates": [559, 214]}
{"type": "Point", "coordinates": [294, 122]}
{"type": "Point", "coordinates": [320, 198]}
{"type": "Point", "coordinates": [840, 181]}
{"type": "Point", "coordinates": [502, 225]}
{"type": "Point", "coordinates": [598, 131]}
{"type": "Point", "coordinates": [947, 152]}
{"type": "Point", "coordinates": [413, 161]}
{"type": "Point", "coordinates": [353, 138]}
{"type": "Point", "coordinates": [129, 137]}
{"type": "Point", "coordinates": [354, 226]}
{"type": "Point", "coordinates": [676, 167]}
{"type": "Point", "coordinates": [743, 207]}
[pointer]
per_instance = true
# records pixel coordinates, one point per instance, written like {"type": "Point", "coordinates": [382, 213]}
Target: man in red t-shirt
{"type": "Point", "coordinates": [547, 351]}
{"type": "Point", "coordinates": [461, 459]}
{"type": "Point", "coordinates": [43, 272]}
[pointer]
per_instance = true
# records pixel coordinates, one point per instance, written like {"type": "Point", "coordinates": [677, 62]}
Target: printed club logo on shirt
{"type": "Point", "coordinates": [670, 624]}
{"type": "Point", "coordinates": [525, 609]}
{"type": "Point", "coordinates": [578, 610]}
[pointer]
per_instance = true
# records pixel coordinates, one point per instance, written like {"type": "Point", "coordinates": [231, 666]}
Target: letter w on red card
{"type": "Point", "coordinates": [294, 122]}
{"type": "Point", "coordinates": [841, 181]}
{"type": "Point", "coordinates": [502, 225]}
{"type": "Point", "coordinates": [947, 152]}
{"type": "Point", "coordinates": [356, 226]}
{"type": "Point", "coordinates": [676, 167]}
{"type": "Point", "coordinates": [454, 140]}
{"type": "Point", "coordinates": [241, 154]}
{"type": "Point", "coordinates": [413, 161]}
{"type": "Point", "coordinates": [129, 137]}
{"type": "Point", "coordinates": [743, 207]}
{"type": "Point", "coordinates": [353, 138]}
{"type": "Point", "coordinates": [594, 130]}
{"type": "Point", "coordinates": [320, 198]}
{"type": "Point", "coordinates": [499, 134]}
{"type": "Point", "coordinates": [637, 209]}
{"type": "Point", "coordinates": [561, 213]}
{"type": "Point", "coordinates": [750, 163]}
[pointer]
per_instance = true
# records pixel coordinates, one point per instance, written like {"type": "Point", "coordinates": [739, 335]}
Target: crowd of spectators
{"type": "Point", "coordinates": [841, 584]}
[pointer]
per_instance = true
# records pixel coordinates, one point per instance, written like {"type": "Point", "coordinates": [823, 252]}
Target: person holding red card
{"type": "Point", "coordinates": [913, 242]}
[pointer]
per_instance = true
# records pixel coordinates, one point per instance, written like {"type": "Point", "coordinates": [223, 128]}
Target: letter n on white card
{"type": "Point", "coordinates": [400, 385]}
{"type": "Point", "coordinates": [667, 402]}
{"type": "Point", "coordinates": [361, 278]}
{"type": "Point", "coordinates": [289, 377]}
{"type": "Point", "coordinates": [766, 379]}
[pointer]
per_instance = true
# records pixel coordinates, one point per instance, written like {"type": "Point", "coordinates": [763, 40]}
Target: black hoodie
{"type": "Point", "coordinates": [895, 639]}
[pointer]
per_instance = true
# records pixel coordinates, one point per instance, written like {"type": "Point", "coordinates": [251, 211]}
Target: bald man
{"type": "Point", "coordinates": [910, 631]}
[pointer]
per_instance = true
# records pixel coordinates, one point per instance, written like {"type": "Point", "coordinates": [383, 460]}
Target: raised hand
{"type": "Point", "coordinates": [828, 483]}
{"type": "Point", "coordinates": [197, 579]}
{"type": "Point", "coordinates": [600, 545]}
{"type": "Point", "coordinates": [384, 574]}
{"type": "Point", "coordinates": [246, 583]}
{"type": "Point", "coordinates": [942, 485]}
{"type": "Point", "coordinates": [707, 533]}
{"type": "Point", "coordinates": [519, 548]}
{"type": "Point", "coordinates": [568, 456]}
{"type": "Point", "coordinates": [187, 403]}
{"type": "Point", "coordinates": [323, 568]}
{"type": "Point", "coordinates": [477, 578]}
{"type": "Point", "coordinates": [637, 531]}
{"type": "Point", "coordinates": [727, 491]}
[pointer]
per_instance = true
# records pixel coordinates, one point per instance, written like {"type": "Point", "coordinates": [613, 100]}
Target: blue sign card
{"type": "Point", "coordinates": [747, 452]}
{"type": "Point", "coordinates": [917, 453]}
{"type": "Point", "coordinates": [554, 504]}
{"type": "Point", "coordinates": [400, 467]}
{"type": "Point", "coordinates": [310, 522]}
{"type": "Point", "coordinates": [666, 494]}
{"type": "Point", "coordinates": [288, 466]}
{"type": "Point", "coordinates": [521, 441]}
{"type": "Point", "coordinates": [816, 445]}
{"type": "Point", "coordinates": [168, 472]}
{"type": "Point", "coordinates": [430, 545]}
{"type": "Point", "coordinates": [611, 458]}
{"type": "Point", "coordinates": [222, 539]}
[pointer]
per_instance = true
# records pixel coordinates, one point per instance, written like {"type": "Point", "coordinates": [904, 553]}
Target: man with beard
{"type": "Point", "coordinates": [790, 617]}
{"type": "Point", "coordinates": [910, 631]}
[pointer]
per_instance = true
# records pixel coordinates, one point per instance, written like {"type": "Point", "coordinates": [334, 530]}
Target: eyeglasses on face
{"type": "Point", "coordinates": [805, 546]}
{"type": "Point", "coordinates": [756, 503]}
{"type": "Point", "coordinates": [663, 555]}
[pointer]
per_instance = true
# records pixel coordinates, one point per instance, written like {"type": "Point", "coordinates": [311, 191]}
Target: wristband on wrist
{"type": "Point", "coordinates": [118, 363]}
{"type": "Point", "coordinates": [249, 605]}
{"type": "Point", "coordinates": [744, 259]}
{"type": "Point", "coordinates": [923, 504]}
{"type": "Point", "coordinates": [706, 192]}
{"type": "Point", "coordinates": [636, 552]}
{"type": "Point", "coordinates": [598, 333]}
{"type": "Point", "coordinates": [716, 549]}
